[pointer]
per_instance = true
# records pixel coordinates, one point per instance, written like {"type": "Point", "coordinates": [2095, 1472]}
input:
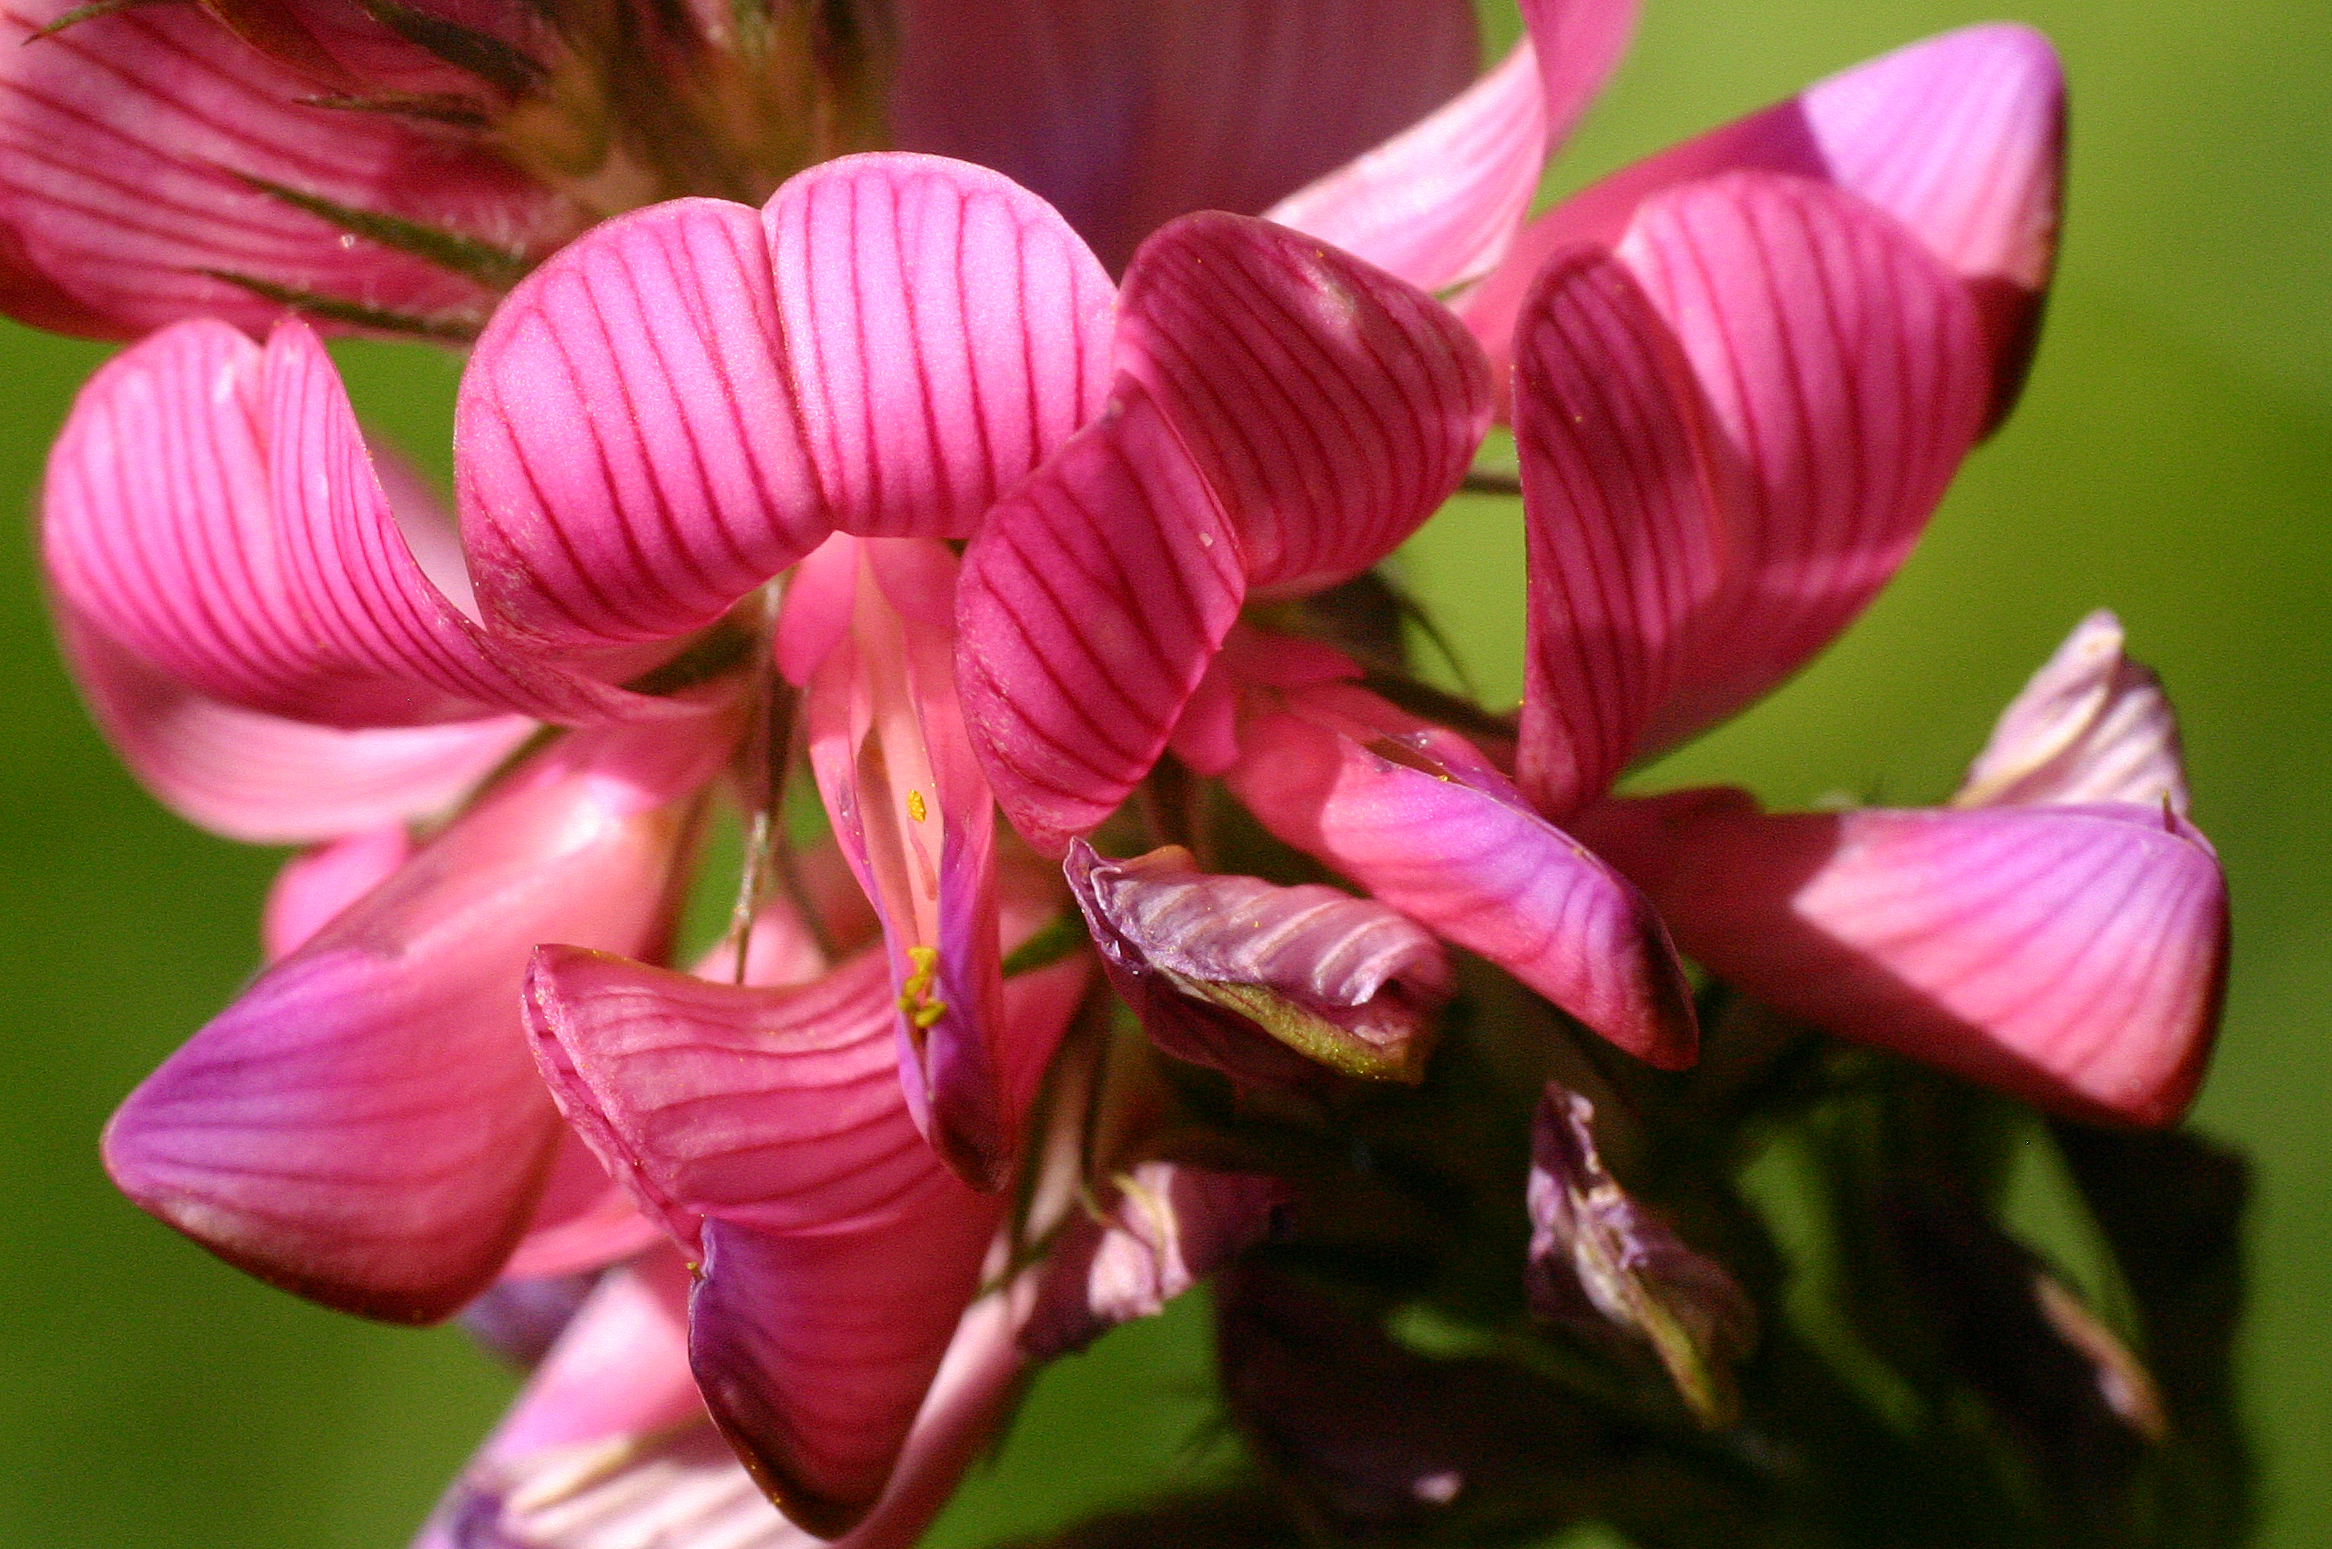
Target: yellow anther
{"type": "Point", "coordinates": [916, 1001]}
{"type": "Point", "coordinates": [918, 811]}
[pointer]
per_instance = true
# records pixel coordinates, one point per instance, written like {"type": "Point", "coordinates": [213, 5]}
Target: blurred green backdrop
{"type": "Point", "coordinates": [2173, 459]}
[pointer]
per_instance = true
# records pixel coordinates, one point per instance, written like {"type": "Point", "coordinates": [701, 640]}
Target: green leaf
{"type": "Point", "coordinates": [441, 330]}
{"type": "Point", "coordinates": [482, 54]}
{"type": "Point", "coordinates": [494, 267]}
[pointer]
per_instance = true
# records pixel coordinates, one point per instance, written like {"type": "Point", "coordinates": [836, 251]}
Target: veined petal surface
{"type": "Point", "coordinates": [2091, 726]}
{"type": "Point", "coordinates": [2074, 956]}
{"type": "Point", "coordinates": [1124, 114]}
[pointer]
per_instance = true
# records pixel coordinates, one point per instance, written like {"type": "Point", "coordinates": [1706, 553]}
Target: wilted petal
{"type": "Point", "coordinates": [363, 1126]}
{"type": "Point", "coordinates": [1124, 114]}
{"type": "Point", "coordinates": [2072, 956]}
{"type": "Point", "coordinates": [1331, 407]}
{"type": "Point", "coordinates": [1959, 137]}
{"type": "Point", "coordinates": [317, 884]}
{"type": "Point", "coordinates": [1343, 980]}
{"type": "Point", "coordinates": [213, 507]}
{"type": "Point", "coordinates": [632, 459]}
{"type": "Point", "coordinates": [945, 331]}
{"type": "Point", "coordinates": [260, 778]}
{"type": "Point", "coordinates": [132, 150]}
{"type": "Point", "coordinates": [1604, 1265]}
{"type": "Point", "coordinates": [1422, 821]}
{"type": "Point", "coordinates": [1090, 605]}
{"type": "Point", "coordinates": [2091, 726]}
{"type": "Point", "coordinates": [1171, 1226]}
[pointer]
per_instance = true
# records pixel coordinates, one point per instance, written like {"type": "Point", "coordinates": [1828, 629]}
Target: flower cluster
{"type": "Point", "coordinates": [1020, 490]}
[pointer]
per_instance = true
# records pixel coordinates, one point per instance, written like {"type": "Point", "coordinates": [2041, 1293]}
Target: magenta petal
{"type": "Point", "coordinates": [316, 885]}
{"type": "Point", "coordinates": [2073, 956]}
{"type": "Point", "coordinates": [1089, 607]}
{"type": "Point", "coordinates": [126, 143]}
{"type": "Point", "coordinates": [1124, 114]}
{"type": "Point", "coordinates": [1579, 44]}
{"type": "Point", "coordinates": [1332, 407]}
{"type": "Point", "coordinates": [945, 330]}
{"type": "Point", "coordinates": [584, 1220]}
{"type": "Point", "coordinates": [632, 459]}
{"type": "Point", "coordinates": [263, 779]}
{"type": "Point", "coordinates": [1424, 823]}
{"type": "Point", "coordinates": [2091, 726]}
{"type": "Point", "coordinates": [1439, 203]}
{"type": "Point", "coordinates": [363, 1126]}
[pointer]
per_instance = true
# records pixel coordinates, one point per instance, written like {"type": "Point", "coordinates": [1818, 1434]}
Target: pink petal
{"type": "Point", "coordinates": [1124, 114]}
{"type": "Point", "coordinates": [1332, 407]}
{"type": "Point", "coordinates": [260, 778]}
{"type": "Point", "coordinates": [125, 145]}
{"type": "Point", "coordinates": [584, 1220]}
{"type": "Point", "coordinates": [1695, 546]}
{"type": "Point", "coordinates": [1090, 605]}
{"type": "Point", "coordinates": [363, 1125]}
{"type": "Point", "coordinates": [213, 507]}
{"type": "Point", "coordinates": [2091, 726]}
{"type": "Point", "coordinates": [1439, 203]}
{"type": "Point", "coordinates": [945, 330]}
{"type": "Point", "coordinates": [913, 816]}
{"type": "Point", "coordinates": [317, 884]}
{"type": "Point", "coordinates": [2072, 956]}
{"type": "Point", "coordinates": [1414, 815]}
{"type": "Point", "coordinates": [1960, 137]}
{"type": "Point", "coordinates": [1579, 44]}
{"type": "Point", "coordinates": [631, 452]}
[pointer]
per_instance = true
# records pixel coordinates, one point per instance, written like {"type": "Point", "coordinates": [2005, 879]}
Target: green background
{"type": "Point", "coordinates": [2171, 460]}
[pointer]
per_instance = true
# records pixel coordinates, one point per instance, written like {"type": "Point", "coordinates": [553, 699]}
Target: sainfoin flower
{"type": "Point", "coordinates": [1009, 493]}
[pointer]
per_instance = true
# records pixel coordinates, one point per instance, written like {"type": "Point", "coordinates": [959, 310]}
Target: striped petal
{"type": "Point", "coordinates": [1331, 407]}
{"type": "Point", "coordinates": [945, 330]}
{"type": "Point", "coordinates": [1959, 137]}
{"type": "Point", "coordinates": [1422, 821]}
{"type": "Point", "coordinates": [2091, 726]}
{"type": "Point", "coordinates": [768, 1129]}
{"type": "Point", "coordinates": [363, 1126]}
{"type": "Point", "coordinates": [2073, 956]}
{"type": "Point", "coordinates": [1124, 114]}
{"type": "Point", "coordinates": [1740, 512]}
{"type": "Point", "coordinates": [213, 507]}
{"type": "Point", "coordinates": [1089, 607]}
{"type": "Point", "coordinates": [140, 156]}
{"type": "Point", "coordinates": [260, 778]}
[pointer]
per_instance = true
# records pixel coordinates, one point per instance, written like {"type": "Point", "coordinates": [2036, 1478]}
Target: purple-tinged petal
{"type": "Point", "coordinates": [132, 147]}
{"type": "Point", "coordinates": [2091, 726]}
{"type": "Point", "coordinates": [1089, 607]}
{"type": "Point", "coordinates": [364, 1126]}
{"type": "Point", "coordinates": [1416, 816]}
{"type": "Point", "coordinates": [631, 455]}
{"type": "Point", "coordinates": [317, 884]}
{"type": "Point", "coordinates": [912, 815]}
{"type": "Point", "coordinates": [260, 778]}
{"type": "Point", "coordinates": [1604, 1266]}
{"type": "Point", "coordinates": [1438, 204]}
{"type": "Point", "coordinates": [2072, 956]}
{"type": "Point", "coordinates": [1332, 407]}
{"type": "Point", "coordinates": [1344, 981]}
{"type": "Point", "coordinates": [1840, 376]}
{"type": "Point", "coordinates": [945, 331]}
{"type": "Point", "coordinates": [212, 505]}
{"type": "Point", "coordinates": [520, 1319]}
{"type": "Point", "coordinates": [1959, 137]}
{"type": "Point", "coordinates": [1172, 1225]}
{"type": "Point", "coordinates": [1124, 114]}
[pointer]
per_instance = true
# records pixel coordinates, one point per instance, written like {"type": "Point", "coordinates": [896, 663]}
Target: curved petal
{"type": "Point", "coordinates": [584, 1220]}
{"type": "Point", "coordinates": [2072, 956]}
{"type": "Point", "coordinates": [631, 457]}
{"type": "Point", "coordinates": [262, 779]}
{"type": "Point", "coordinates": [1700, 533]}
{"type": "Point", "coordinates": [1089, 607]}
{"type": "Point", "coordinates": [212, 505]}
{"type": "Point", "coordinates": [315, 885]}
{"type": "Point", "coordinates": [1579, 44]}
{"type": "Point", "coordinates": [2091, 726]}
{"type": "Point", "coordinates": [1959, 137]}
{"type": "Point", "coordinates": [139, 151]}
{"type": "Point", "coordinates": [1124, 114]}
{"type": "Point", "coordinates": [1332, 407]}
{"type": "Point", "coordinates": [1413, 814]}
{"type": "Point", "coordinates": [945, 330]}
{"type": "Point", "coordinates": [363, 1126]}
